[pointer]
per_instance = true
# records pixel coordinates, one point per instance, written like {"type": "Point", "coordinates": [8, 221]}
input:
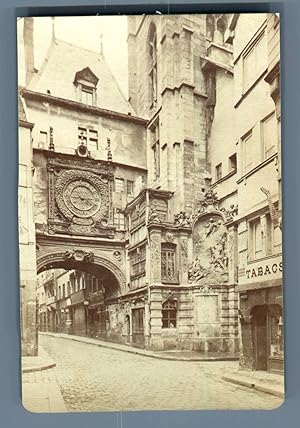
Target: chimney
{"type": "Point", "coordinates": [28, 49]}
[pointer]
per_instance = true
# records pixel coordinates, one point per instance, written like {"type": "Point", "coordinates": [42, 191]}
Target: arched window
{"type": "Point", "coordinates": [169, 314]}
{"type": "Point", "coordinates": [210, 27]}
{"type": "Point", "coordinates": [220, 31]}
{"type": "Point", "coordinates": [152, 48]}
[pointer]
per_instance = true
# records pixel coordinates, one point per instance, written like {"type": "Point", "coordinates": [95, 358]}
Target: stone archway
{"type": "Point", "coordinates": [72, 259]}
{"type": "Point", "coordinates": [94, 285]}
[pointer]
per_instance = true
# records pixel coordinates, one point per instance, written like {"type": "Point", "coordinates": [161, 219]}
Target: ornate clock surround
{"type": "Point", "coordinates": [80, 196]}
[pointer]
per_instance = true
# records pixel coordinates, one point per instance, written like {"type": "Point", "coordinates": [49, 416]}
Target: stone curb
{"type": "Point", "coordinates": [38, 368]}
{"type": "Point", "coordinates": [138, 351]}
{"type": "Point", "coordinates": [257, 387]}
{"type": "Point", "coordinates": [44, 363]}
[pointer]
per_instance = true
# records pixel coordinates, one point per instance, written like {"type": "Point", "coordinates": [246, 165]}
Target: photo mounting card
{"type": "Point", "coordinates": [150, 212]}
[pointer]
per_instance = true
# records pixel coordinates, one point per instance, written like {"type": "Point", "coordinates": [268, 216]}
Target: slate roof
{"type": "Point", "coordinates": [60, 66]}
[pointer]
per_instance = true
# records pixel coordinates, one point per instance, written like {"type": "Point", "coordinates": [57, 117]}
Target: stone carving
{"type": "Point", "coordinates": [184, 254]}
{"type": "Point", "coordinates": [81, 194]}
{"type": "Point", "coordinates": [79, 255]}
{"type": "Point", "coordinates": [210, 203]}
{"type": "Point", "coordinates": [196, 271]}
{"type": "Point", "coordinates": [210, 262]}
{"type": "Point", "coordinates": [117, 255]}
{"type": "Point", "coordinates": [153, 216]}
{"type": "Point", "coordinates": [230, 213]}
{"type": "Point", "coordinates": [155, 251]}
{"type": "Point", "coordinates": [169, 237]}
{"type": "Point", "coordinates": [102, 168]}
{"type": "Point", "coordinates": [181, 219]}
{"type": "Point", "coordinates": [219, 259]}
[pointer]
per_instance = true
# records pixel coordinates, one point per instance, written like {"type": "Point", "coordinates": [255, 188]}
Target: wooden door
{"type": "Point", "coordinates": [138, 336]}
{"type": "Point", "coordinates": [260, 339]}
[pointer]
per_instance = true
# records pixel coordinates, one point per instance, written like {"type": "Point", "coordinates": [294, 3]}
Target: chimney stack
{"type": "Point", "coordinates": [28, 49]}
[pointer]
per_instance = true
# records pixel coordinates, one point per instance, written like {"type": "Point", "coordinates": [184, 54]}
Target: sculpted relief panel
{"type": "Point", "coordinates": [210, 263]}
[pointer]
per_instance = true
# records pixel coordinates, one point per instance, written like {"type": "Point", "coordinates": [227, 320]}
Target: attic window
{"type": "Point", "coordinates": [86, 82]}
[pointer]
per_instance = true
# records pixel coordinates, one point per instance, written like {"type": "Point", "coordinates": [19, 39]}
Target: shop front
{"type": "Point", "coordinates": [97, 315]}
{"type": "Point", "coordinates": [262, 333]}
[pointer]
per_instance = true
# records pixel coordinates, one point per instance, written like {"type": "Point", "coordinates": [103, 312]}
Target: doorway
{"type": "Point", "coordinates": [260, 338]}
{"type": "Point", "coordinates": [138, 336]}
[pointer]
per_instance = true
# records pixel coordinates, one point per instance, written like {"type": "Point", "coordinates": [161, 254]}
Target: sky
{"type": "Point", "coordinates": [85, 31]}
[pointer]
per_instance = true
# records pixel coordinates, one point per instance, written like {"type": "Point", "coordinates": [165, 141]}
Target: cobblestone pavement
{"type": "Point", "coordinates": [92, 378]}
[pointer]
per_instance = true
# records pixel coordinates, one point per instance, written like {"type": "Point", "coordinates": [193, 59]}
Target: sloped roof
{"type": "Point", "coordinates": [60, 66]}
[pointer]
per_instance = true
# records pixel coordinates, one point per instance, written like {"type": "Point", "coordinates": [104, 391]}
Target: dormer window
{"type": "Point", "coordinates": [87, 95]}
{"type": "Point", "coordinates": [85, 82]}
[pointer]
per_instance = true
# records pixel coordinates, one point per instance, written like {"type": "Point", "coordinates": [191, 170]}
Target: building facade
{"type": "Point", "coordinates": [170, 201]}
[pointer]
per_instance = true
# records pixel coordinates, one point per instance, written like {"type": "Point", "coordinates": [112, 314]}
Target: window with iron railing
{"type": "Point", "coordinates": [168, 263]}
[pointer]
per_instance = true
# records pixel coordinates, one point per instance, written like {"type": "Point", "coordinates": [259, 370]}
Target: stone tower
{"type": "Point", "coordinates": [167, 87]}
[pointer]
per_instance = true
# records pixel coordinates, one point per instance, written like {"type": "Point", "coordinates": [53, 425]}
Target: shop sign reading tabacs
{"type": "Point", "coordinates": [262, 270]}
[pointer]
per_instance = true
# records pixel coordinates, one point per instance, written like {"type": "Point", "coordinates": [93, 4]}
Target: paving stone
{"type": "Point", "coordinates": [94, 378]}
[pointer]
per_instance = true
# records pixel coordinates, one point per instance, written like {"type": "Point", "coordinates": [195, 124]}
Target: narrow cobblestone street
{"type": "Point", "coordinates": [93, 378]}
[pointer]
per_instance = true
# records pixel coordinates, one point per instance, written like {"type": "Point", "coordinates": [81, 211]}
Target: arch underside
{"type": "Point", "coordinates": [96, 266]}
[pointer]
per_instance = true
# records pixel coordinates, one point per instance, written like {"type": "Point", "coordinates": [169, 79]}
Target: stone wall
{"type": "Point", "coordinates": [27, 257]}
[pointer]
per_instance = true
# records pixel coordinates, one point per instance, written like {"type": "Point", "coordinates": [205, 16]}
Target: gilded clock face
{"type": "Point", "coordinates": [82, 198]}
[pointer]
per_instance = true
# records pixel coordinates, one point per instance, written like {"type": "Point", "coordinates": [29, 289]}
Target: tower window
{"type": "Point", "coordinates": [155, 146]}
{"type": "Point", "coordinates": [153, 64]}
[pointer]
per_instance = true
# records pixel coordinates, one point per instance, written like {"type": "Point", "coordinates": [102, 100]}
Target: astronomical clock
{"type": "Point", "coordinates": [80, 197]}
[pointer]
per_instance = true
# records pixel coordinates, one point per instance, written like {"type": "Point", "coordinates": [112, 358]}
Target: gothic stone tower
{"type": "Point", "coordinates": [167, 87]}
{"type": "Point", "coordinates": [183, 241]}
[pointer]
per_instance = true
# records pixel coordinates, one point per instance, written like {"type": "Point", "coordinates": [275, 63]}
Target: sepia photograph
{"type": "Point", "coordinates": [149, 204]}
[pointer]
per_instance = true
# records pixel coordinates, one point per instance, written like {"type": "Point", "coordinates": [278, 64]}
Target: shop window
{"type": "Point", "coordinates": [152, 46]}
{"type": "Point", "coordinates": [119, 185]}
{"type": "Point", "coordinates": [276, 332]}
{"type": "Point", "coordinates": [269, 135]}
{"type": "Point", "coordinates": [169, 314]}
{"type": "Point", "coordinates": [168, 263]}
{"type": "Point", "coordinates": [218, 172]}
{"type": "Point", "coordinates": [130, 187]}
